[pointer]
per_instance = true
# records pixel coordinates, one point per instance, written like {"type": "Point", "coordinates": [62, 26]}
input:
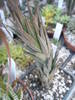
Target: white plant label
{"type": "Point", "coordinates": [20, 2]}
{"type": "Point", "coordinates": [54, 47]}
{"type": "Point", "coordinates": [6, 7]}
{"type": "Point", "coordinates": [2, 16]}
{"type": "Point", "coordinates": [58, 31]}
{"type": "Point", "coordinates": [60, 4]}
{"type": "Point", "coordinates": [43, 20]}
{"type": "Point", "coordinates": [13, 70]}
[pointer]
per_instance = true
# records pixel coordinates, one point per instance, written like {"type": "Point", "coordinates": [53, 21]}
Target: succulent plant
{"type": "Point", "coordinates": [17, 53]}
{"type": "Point", "coordinates": [52, 15]}
{"type": "Point", "coordinates": [32, 33]}
{"type": "Point", "coordinates": [64, 19]}
{"type": "Point", "coordinates": [48, 12]}
{"type": "Point", "coordinates": [71, 25]}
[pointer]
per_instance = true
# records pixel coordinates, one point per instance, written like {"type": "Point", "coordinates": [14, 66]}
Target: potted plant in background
{"type": "Point", "coordinates": [48, 12]}
{"type": "Point", "coordinates": [52, 15]}
{"type": "Point", "coordinates": [69, 34]}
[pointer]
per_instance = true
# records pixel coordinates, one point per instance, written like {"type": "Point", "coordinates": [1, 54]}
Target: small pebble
{"type": "Point", "coordinates": [60, 91]}
{"type": "Point", "coordinates": [61, 71]}
{"type": "Point", "coordinates": [50, 92]}
{"type": "Point", "coordinates": [61, 96]}
{"type": "Point", "coordinates": [67, 88]}
{"type": "Point", "coordinates": [31, 84]}
{"type": "Point", "coordinates": [69, 77]}
{"type": "Point", "coordinates": [26, 77]}
{"type": "Point", "coordinates": [70, 81]}
{"type": "Point", "coordinates": [36, 76]}
{"type": "Point", "coordinates": [30, 76]}
{"type": "Point", "coordinates": [34, 84]}
{"type": "Point", "coordinates": [38, 94]}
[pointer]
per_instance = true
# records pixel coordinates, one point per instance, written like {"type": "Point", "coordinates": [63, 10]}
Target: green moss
{"type": "Point", "coordinates": [17, 53]}
{"type": "Point", "coordinates": [3, 55]}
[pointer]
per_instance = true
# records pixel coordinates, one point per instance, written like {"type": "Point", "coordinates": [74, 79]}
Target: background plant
{"type": "Point", "coordinates": [48, 12]}
{"type": "Point", "coordinates": [17, 53]}
{"type": "Point", "coordinates": [53, 15]}
{"type": "Point", "coordinates": [71, 25]}
{"type": "Point", "coordinates": [70, 6]}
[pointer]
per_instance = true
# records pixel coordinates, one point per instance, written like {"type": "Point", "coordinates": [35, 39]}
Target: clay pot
{"type": "Point", "coordinates": [68, 44]}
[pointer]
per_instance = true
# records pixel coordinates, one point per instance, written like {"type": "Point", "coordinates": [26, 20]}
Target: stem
{"type": "Point", "coordinates": [25, 87]}
{"type": "Point", "coordinates": [2, 35]}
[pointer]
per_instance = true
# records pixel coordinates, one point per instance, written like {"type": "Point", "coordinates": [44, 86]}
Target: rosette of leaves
{"type": "Point", "coordinates": [71, 25]}
{"type": "Point", "coordinates": [61, 18]}
{"type": "Point", "coordinates": [52, 15]}
{"type": "Point", "coordinates": [32, 33]}
{"type": "Point", "coordinates": [48, 12]}
{"type": "Point", "coordinates": [64, 19]}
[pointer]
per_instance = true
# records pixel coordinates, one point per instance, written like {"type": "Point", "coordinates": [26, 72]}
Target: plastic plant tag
{"type": "Point", "coordinates": [54, 47]}
{"type": "Point", "coordinates": [12, 72]}
{"type": "Point", "coordinates": [58, 31]}
{"type": "Point", "coordinates": [2, 16]}
{"type": "Point", "coordinates": [6, 7]}
{"type": "Point", "coordinates": [20, 2]}
{"type": "Point", "coordinates": [43, 20]}
{"type": "Point", "coordinates": [60, 4]}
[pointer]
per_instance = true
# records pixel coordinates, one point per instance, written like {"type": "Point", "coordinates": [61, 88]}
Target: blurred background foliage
{"type": "Point", "coordinates": [17, 53]}
{"type": "Point", "coordinates": [52, 15]}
